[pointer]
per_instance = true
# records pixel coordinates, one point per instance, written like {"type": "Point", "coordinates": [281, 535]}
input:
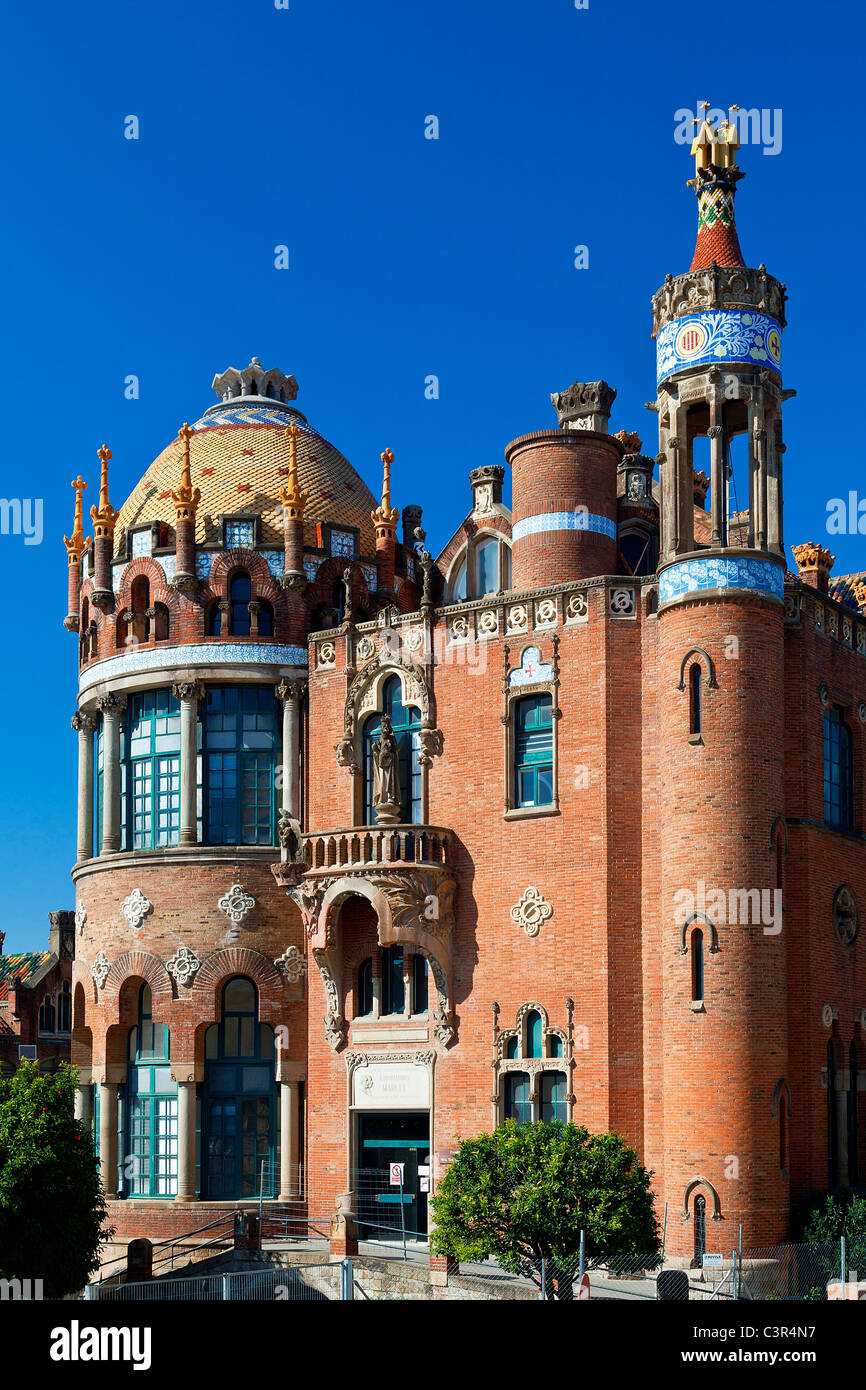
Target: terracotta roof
{"type": "Point", "coordinates": [239, 457]}
{"type": "Point", "coordinates": [717, 243]}
{"type": "Point", "coordinates": [17, 969]}
{"type": "Point", "coordinates": [842, 588]}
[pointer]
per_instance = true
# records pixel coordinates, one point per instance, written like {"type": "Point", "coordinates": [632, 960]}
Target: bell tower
{"type": "Point", "coordinates": [718, 331]}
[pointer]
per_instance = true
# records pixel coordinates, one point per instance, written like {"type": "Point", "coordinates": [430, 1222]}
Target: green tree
{"type": "Point", "coordinates": [832, 1216]}
{"type": "Point", "coordinates": [52, 1210]}
{"type": "Point", "coordinates": [525, 1192]}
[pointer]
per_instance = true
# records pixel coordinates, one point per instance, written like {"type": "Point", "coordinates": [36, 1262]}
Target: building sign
{"type": "Point", "coordinates": [716, 337]}
{"type": "Point", "coordinates": [391, 1086]}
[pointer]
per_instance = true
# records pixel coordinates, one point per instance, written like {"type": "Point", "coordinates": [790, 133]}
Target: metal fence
{"type": "Point", "coordinates": [308, 1283]}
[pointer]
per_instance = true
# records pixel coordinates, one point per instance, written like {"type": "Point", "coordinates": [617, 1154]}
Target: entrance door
{"type": "Point", "coordinates": [240, 1139]}
{"type": "Point", "coordinates": [384, 1139]}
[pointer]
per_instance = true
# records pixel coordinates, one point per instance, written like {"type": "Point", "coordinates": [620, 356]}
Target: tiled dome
{"type": "Point", "coordinates": [239, 455]}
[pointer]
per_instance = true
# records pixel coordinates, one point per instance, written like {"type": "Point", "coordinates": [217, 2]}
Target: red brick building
{"type": "Point", "coordinates": [375, 849]}
{"type": "Point", "coordinates": [36, 999]}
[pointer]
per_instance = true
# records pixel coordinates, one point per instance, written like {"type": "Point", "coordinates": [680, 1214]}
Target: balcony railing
{"type": "Point", "coordinates": [391, 845]}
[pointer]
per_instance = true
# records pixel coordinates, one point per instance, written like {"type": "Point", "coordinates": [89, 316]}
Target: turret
{"type": "Point", "coordinates": [104, 519]}
{"type": "Point", "coordinates": [75, 548]}
{"type": "Point", "coordinates": [293, 500]}
{"type": "Point", "coordinates": [564, 492]}
{"type": "Point", "coordinates": [186, 500]}
{"type": "Point", "coordinates": [721, 709]}
{"type": "Point", "coordinates": [385, 519]}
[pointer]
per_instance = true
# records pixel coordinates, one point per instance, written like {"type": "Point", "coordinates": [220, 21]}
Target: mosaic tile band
{"type": "Point", "coordinates": [722, 572]}
{"type": "Point", "coordinates": [206, 654]}
{"type": "Point", "coordinates": [717, 336]}
{"type": "Point", "coordinates": [563, 521]}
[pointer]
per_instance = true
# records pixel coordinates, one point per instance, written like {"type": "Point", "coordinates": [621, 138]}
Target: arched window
{"type": "Point", "coordinates": [364, 1005]}
{"type": "Point", "coordinates": [139, 605]}
{"type": "Point", "coordinates": [158, 625]}
{"type": "Point", "coordinates": [393, 984]}
{"type": "Point", "coordinates": [151, 1108]}
{"type": "Point", "coordinates": [46, 1015]}
{"type": "Point", "coordinates": [213, 621]}
{"type": "Point", "coordinates": [533, 751]}
{"type": "Point", "coordinates": [554, 1045]}
{"type": "Point", "coordinates": [405, 722]}
{"type": "Point", "coordinates": [552, 1089]}
{"type": "Point", "coordinates": [853, 1118]}
{"type": "Point", "coordinates": [534, 1034]}
{"type": "Point", "coordinates": [517, 1104]}
{"type": "Point", "coordinates": [697, 954]}
{"type": "Point", "coordinates": [240, 593]}
{"type": "Point", "coordinates": [485, 555]}
{"type": "Point", "coordinates": [695, 711]}
{"type": "Point", "coordinates": [457, 585]}
{"type": "Point", "coordinates": [838, 771]}
{"type": "Point", "coordinates": [832, 1120]}
{"type": "Point", "coordinates": [239, 755]}
{"type": "Point", "coordinates": [700, 1227]}
{"type": "Point", "coordinates": [64, 1008]}
{"type": "Point", "coordinates": [240, 1154]}
{"type": "Point", "coordinates": [512, 1047]}
{"type": "Point", "coordinates": [419, 983]}
{"type": "Point", "coordinates": [266, 620]}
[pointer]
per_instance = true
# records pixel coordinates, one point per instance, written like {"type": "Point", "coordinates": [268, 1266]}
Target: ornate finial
{"type": "Point", "coordinates": [812, 557]}
{"type": "Point", "coordinates": [186, 498]}
{"type": "Point", "coordinates": [291, 496]}
{"type": "Point", "coordinates": [104, 517]}
{"type": "Point", "coordinates": [385, 516]}
{"type": "Point", "coordinates": [714, 150]}
{"type": "Point", "coordinates": [76, 544]}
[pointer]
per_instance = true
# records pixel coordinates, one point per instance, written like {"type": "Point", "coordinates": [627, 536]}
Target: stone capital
{"type": "Point", "coordinates": [112, 703]}
{"type": "Point", "coordinates": [84, 723]}
{"type": "Point", "coordinates": [189, 690]}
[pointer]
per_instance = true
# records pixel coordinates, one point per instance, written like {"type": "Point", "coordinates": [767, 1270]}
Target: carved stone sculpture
{"type": "Point", "coordinates": [386, 776]}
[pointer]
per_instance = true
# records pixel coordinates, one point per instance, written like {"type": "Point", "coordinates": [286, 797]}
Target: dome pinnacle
{"type": "Point", "coordinates": [104, 516]}
{"type": "Point", "coordinates": [186, 498]}
{"type": "Point", "coordinates": [76, 544]}
{"type": "Point", "coordinates": [291, 496]}
{"type": "Point", "coordinates": [714, 150]}
{"type": "Point", "coordinates": [385, 516]}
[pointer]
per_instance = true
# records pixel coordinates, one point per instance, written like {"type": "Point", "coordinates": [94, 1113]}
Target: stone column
{"type": "Point", "coordinates": [185, 1142]}
{"type": "Point", "coordinates": [377, 982]}
{"type": "Point", "coordinates": [718, 511]}
{"type": "Point", "coordinates": [225, 612]}
{"type": "Point", "coordinates": [757, 472]}
{"type": "Point", "coordinates": [84, 1104]}
{"type": "Point", "coordinates": [291, 694]}
{"type": "Point", "coordinates": [289, 1149]}
{"type": "Point", "coordinates": [85, 727]}
{"type": "Point", "coordinates": [108, 1138]}
{"type": "Point", "coordinates": [254, 607]}
{"type": "Point", "coordinates": [111, 707]}
{"type": "Point", "coordinates": [188, 693]}
{"type": "Point", "coordinates": [408, 1001]}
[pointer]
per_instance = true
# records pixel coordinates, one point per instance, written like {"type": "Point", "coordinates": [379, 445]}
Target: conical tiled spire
{"type": "Point", "coordinates": [715, 181]}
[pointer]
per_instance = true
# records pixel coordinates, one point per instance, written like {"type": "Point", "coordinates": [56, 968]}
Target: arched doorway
{"type": "Point", "coordinates": [239, 1151]}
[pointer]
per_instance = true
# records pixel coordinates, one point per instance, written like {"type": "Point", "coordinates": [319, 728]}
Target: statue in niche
{"type": "Point", "coordinates": [349, 587]}
{"type": "Point", "coordinates": [386, 776]}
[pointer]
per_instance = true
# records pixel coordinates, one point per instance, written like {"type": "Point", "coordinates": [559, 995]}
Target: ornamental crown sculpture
{"type": "Point", "coordinates": [585, 405]}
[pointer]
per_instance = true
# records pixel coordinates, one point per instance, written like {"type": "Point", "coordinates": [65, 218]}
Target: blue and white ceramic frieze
{"type": "Point", "coordinates": [203, 561]}
{"type": "Point", "coordinates": [563, 521]}
{"type": "Point", "coordinates": [117, 573]}
{"type": "Point", "coordinates": [169, 566]}
{"type": "Point", "coordinates": [204, 654]}
{"type": "Point", "coordinates": [719, 335]}
{"type": "Point", "coordinates": [275, 561]}
{"type": "Point", "coordinates": [722, 572]}
{"type": "Point", "coordinates": [311, 568]}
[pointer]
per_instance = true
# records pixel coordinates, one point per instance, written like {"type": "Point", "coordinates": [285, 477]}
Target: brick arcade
{"type": "Point", "coordinates": [377, 847]}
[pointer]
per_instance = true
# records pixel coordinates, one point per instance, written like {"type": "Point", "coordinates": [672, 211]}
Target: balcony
{"type": "Point", "coordinates": [389, 846]}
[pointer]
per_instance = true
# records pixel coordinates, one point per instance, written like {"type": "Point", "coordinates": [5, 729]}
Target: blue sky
{"type": "Point", "coordinates": [408, 257]}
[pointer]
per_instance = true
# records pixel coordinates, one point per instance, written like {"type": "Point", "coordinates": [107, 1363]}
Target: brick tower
{"type": "Point", "coordinates": [721, 725]}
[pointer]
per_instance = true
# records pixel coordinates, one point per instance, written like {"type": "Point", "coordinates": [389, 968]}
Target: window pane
{"type": "Point", "coordinates": [486, 555]}
{"type": "Point", "coordinates": [239, 996]}
{"type": "Point", "coordinates": [534, 1034]}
